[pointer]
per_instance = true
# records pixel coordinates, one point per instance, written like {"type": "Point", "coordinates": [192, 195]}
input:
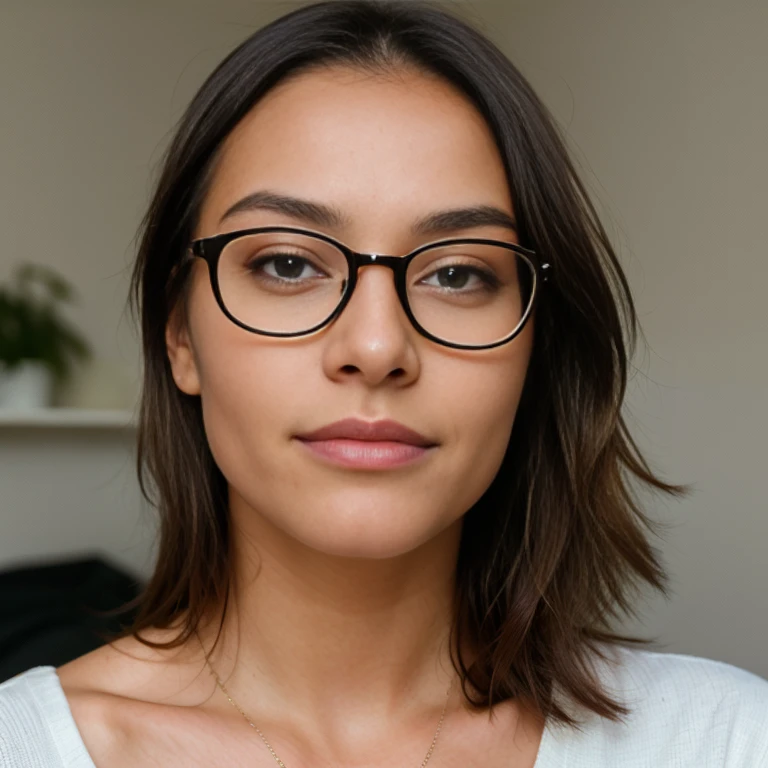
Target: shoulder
{"type": "Point", "coordinates": [79, 712]}
{"type": "Point", "coordinates": [126, 695]}
{"type": "Point", "coordinates": [684, 710]}
{"type": "Point", "coordinates": [666, 682]}
{"type": "Point", "coordinates": [129, 670]}
{"type": "Point", "coordinates": [34, 721]}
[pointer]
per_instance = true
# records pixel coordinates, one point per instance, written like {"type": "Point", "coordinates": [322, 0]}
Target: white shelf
{"type": "Point", "coordinates": [69, 418]}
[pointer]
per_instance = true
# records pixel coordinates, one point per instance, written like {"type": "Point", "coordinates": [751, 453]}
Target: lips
{"type": "Point", "coordinates": [376, 431]}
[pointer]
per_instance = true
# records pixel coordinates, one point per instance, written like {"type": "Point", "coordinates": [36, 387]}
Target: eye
{"type": "Point", "coordinates": [285, 266]}
{"type": "Point", "coordinates": [456, 276]}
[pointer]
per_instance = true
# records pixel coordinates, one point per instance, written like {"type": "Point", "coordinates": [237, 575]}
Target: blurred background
{"type": "Point", "coordinates": [665, 107]}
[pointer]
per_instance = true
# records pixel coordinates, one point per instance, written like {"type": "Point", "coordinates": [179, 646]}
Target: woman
{"type": "Point", "coordinates": [386, 344]}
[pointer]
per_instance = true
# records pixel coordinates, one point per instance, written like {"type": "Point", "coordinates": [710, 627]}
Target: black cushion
{"type": "Point", "coordinates": [51, 613]}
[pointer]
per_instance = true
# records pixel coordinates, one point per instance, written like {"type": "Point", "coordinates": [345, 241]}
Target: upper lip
{"type": "Point", "coordinates": [356, 429]}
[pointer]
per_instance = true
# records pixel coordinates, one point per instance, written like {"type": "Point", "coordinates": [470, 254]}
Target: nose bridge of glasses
{"type": "Point", "coordinates": [363, 261]}
{"type": "Point", "coordinates": [367, 259]}
{"type": "Point", "coordinates": [395, 263]}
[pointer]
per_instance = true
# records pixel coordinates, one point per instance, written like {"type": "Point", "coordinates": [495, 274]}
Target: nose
{"type": "Point", "coordinates": [372, 339]}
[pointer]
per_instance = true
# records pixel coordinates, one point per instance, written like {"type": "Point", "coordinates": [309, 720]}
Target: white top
{"type": "Point", "coordinates": [688, 712]}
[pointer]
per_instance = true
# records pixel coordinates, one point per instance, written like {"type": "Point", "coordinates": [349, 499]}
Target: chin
{"type": "Point", "coordinates": [365, 537]}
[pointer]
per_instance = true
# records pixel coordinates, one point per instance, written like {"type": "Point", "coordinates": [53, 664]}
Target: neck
{"type": "Point", "coordinates": [327, 639]}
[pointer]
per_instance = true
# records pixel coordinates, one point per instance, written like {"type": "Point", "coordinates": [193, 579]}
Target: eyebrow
{"type": "Point", "coordinates": [320, 214]}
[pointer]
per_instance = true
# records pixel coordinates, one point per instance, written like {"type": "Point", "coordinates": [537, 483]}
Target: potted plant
{"type": "Point", "coordinates": [37, 346]}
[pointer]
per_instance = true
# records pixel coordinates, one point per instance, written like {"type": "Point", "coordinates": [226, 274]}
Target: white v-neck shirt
{"type": "Point", "coordinates": [687, 712]}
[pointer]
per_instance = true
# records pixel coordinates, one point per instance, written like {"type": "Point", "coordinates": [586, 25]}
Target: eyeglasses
{"type": "Point", "coordinates": [470, 293]}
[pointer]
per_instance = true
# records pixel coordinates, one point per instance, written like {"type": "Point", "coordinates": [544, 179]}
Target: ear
{"type": "Point", "coordinates": [181, 353]}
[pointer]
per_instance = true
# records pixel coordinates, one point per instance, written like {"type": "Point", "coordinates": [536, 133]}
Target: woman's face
{"type": "Point", "coordinates": [384, 151]}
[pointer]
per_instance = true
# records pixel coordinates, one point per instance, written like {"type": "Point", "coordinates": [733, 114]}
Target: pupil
{"type": "Point", "coordinates": [451, 274]}
{"type": "Point", "coordinates": [288, 266]}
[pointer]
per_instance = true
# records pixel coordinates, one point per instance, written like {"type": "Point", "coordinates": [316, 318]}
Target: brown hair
{"type": "Point", "coordinates": [554, 549]}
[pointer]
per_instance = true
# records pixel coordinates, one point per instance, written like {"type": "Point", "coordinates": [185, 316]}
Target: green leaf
{"type": "Point", "coordinates": [31, 326]}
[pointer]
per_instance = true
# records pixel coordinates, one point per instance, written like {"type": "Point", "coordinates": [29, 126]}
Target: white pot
{"type": "Point", "coordinates": [27, 386]}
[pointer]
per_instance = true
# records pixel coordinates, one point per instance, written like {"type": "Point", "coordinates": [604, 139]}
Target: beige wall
{"type": "Point", "coordinates": [666, 104]}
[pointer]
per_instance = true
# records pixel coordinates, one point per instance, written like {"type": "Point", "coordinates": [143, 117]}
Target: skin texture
{"type": "Point", "coordinates": [337, 643]}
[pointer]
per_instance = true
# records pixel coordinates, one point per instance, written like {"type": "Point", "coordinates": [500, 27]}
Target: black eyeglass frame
{"type": "Point", "coordinates": [211, 248]}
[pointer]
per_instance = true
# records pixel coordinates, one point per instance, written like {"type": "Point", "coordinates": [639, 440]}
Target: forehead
{"type": "Point", "coordinates": [385, 149]}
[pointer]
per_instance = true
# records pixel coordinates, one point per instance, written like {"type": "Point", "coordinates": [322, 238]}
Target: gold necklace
{"type": "Point", "coordinates": [272, 751]}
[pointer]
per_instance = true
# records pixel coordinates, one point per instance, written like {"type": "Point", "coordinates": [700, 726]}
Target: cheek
{"type": "Point", "coordinates": [249, 384]}
{"type": "Point", "coordinates": [481, 403]}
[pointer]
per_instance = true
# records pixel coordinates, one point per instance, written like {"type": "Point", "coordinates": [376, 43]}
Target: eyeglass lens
{"type": "Point", "coordinates": [283, 282]}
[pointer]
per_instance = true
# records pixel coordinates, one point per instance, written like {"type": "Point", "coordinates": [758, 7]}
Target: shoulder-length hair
{"type": "Point", "coordinates": [556, 547]}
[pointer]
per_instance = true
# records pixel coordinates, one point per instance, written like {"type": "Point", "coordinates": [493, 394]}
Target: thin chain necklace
{"type": "Point", "coordinates": [272, 751]}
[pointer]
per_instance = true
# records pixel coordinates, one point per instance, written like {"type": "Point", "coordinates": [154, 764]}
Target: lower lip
{"type": "Point", "coordinates": [364, 454]}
